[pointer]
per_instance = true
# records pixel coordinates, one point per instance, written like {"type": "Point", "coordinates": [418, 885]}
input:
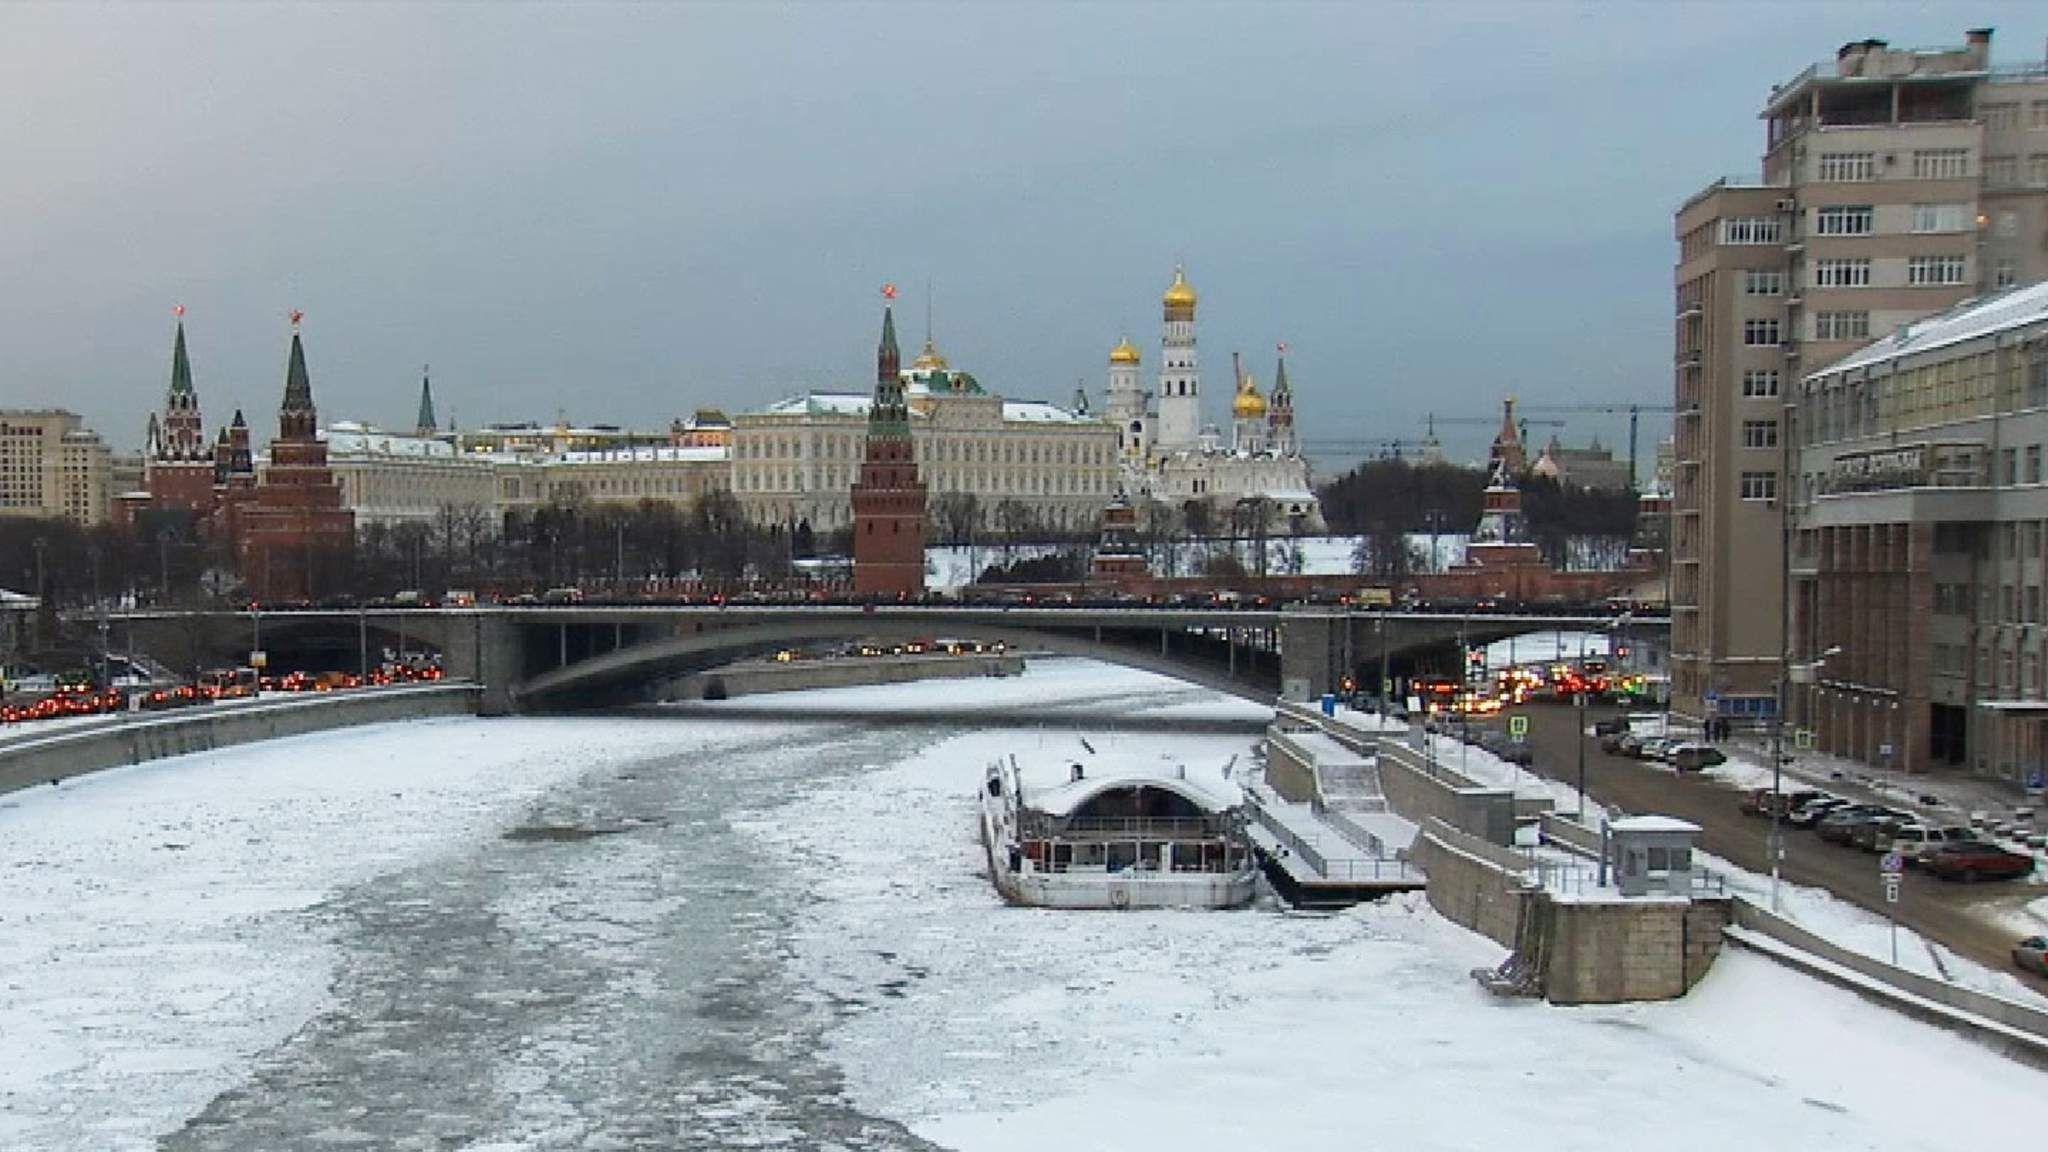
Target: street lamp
{"type": "Point", "coordinates": [1803, 673]}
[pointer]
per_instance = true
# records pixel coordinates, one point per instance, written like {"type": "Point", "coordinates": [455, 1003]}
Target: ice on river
{"type": "Point", "coordinates": [715, 932]}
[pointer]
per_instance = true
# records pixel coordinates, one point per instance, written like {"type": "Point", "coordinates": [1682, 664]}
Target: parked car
{"type": "Point", "coordinates": [1612, 726]}
{"type": "Point", "coordinates": [1840, 825]}
{"type": "Point", "coordinates": [1757, 801]}
{"type": "Point", "coordinates": [1694, 757]}
{"type": "Point", "coordinates": [1976, 860]}
{"type": "Point", "coordinates": [1657, 748]}
{"type": "Point", "coordinates": [1915, 841]}
{"type": "Point", "coordinates": [1876, 835]}
{"type": "Point", "coordinates": [2032, 954]}
{"type": "Point", "coordinates": [1813, 811]}
{"type": "Point", "coordinates": [1612, 742]}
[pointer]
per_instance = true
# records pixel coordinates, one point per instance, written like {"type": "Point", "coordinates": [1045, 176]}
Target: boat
{"type": "Point", "coordinates": [1117, 833]}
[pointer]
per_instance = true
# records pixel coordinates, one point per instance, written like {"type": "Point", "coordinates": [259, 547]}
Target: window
{"type": "Point", "coordinates": [2037, 169]}
{"type": "Point", "coordinates": [1847, 220]}
{"type": "Point", "coordinates": [1759, 433]}
{"type": "Point", "coordinates": [2039, 119]}
{"type": "Point", "coordinates": [2008, 224]}
{"type": "Point", "coordinates": [1841, 326]}
{"type": "Point", "coordinates": [2001, 117]}
{"type": "Point", "coordinates": [2002, 275]}
{"type": "Point", "coordinates": [1925, 270]}
{"type": "Point", "coordinates": [1759, 486]}
{"type": "Point", "coordinates": [2034, 476]}
{"type": "Point", "coordinates": [1941, 163]}
{"type": "Point", "coordinates": [1760, 333]}
{"type": "Point", "coordinates": [2001, 171]}
{"type": "Point", "coordinates": [1841, 273]}
{"type": "Point", "coordinates": [1846, 166]}
{"type": "Point", "coordinates": [1750, 230]}
{"type": "Point", "coordinates": [1763, 282]}
{"type": "Point", "coordinates": [1758, 382]}
{"type": "Point", "coordinates": [1941, 217]}
{"type": "Point", "coordinates": [2009, 473]}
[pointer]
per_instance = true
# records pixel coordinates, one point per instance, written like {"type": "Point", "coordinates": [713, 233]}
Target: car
{"type": "Point", "coordinates": [1656, 748]}
{"type": "Point", "coordinates": [2032, 954]}
{"type": "Point", "coordinates": [1813, 811]}
{"type": "Point", "coordinates": [1975, 860]}
{"type": "Point", "coordinates": [1629, 744]}
{"type": "Point", "coordinates": [1757, 801]}
{"type": "Point", "coordinates": [1839, 826]}
{"type": "Point", "coordinates": [1877, 833]}
{"type": "Point", "coordinates": [1694, 757]}
{"type": "Point", "coordinates": [1612, 726]}
{"type": "Point", "coordinates": [1915, 841]}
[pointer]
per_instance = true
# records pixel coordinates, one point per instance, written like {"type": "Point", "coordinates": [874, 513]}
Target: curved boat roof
{"type": "Point", "coordinates": [1048, 786]}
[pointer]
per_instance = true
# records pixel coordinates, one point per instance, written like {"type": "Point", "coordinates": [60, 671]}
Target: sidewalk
{"type": "Point", "coordinates": [1749, 766]}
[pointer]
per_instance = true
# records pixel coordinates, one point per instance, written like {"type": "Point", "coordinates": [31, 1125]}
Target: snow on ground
{"type": "Point", "coordinates": [160, 925]}
{"type": "Point", "coordinates": [1815, 909]}
{"type": "Point", "coordinates": [953, 565]}
{"type": "Point", "coordinates": [1024, 1028]}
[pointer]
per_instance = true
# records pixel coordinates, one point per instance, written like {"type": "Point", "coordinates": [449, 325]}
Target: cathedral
{"type": "Point", "coordinates": [1166, 453]}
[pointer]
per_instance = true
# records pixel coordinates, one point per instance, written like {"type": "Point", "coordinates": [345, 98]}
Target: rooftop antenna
{"type": "Point", "coordinates": [927, 309]}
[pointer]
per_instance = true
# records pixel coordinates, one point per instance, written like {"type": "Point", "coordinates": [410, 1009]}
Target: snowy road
{"type": "Point", "coordinates": [771, 931]}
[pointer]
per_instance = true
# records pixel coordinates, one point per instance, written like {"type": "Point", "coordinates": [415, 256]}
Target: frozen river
{"type": "Point", "coordinates": [771, 931]}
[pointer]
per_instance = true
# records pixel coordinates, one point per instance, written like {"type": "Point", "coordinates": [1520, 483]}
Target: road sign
{"type": "Point", "coordinates": [1891, 888]}
{"type": "Point", "coordinates": [2037, 780]}
{"type": "Point", "coordinates": [1518, 726]}
{"type": "Point", "coordinates": [1803, 739]}
{"type": "Point", "coordinates": [1893, 864]}
{"type": "Point", "coordinates": [1711, 697]}
{"type": "Point", "coordinates": [259, 659]}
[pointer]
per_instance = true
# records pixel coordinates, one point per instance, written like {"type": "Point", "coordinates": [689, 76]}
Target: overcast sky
{"type": "Point", "coordinates": [625, 213]}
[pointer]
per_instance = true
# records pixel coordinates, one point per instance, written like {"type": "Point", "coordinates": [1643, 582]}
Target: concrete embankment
{"type": "Point", "coordinates": [25, 762]}
{"type": "Point", "coordinates": [752, 679]}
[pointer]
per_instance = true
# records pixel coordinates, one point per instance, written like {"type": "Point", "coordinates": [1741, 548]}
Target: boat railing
{"type": "Point", "coordinates": [1149, 827]}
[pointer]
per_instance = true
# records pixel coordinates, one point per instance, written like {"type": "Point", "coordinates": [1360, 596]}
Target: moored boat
{"type": "Point", "coordinates": [1109, 832]}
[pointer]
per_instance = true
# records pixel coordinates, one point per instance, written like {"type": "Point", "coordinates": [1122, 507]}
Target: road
{"type": "Point", "coordinates": [1956, 915]}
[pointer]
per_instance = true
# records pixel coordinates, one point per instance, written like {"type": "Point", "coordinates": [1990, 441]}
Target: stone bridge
{"type": "Point", "coordinates": [552, 657]}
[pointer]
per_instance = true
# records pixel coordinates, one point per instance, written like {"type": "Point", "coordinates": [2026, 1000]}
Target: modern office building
{"type": "Point", "coordinates": [1895, 183]}
{"type": "Point", "coordinates": [1920, 544]}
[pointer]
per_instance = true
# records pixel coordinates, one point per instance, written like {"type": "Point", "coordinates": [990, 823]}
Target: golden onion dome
{"type": "Point", "coordinates": [929, 358]}
{"type": "Point", "coordinates": [1125, 352]}
{"type": "Point", "coordinates": [1248, 404]}
{"type": "Point", "coordinates": [1180, 293]}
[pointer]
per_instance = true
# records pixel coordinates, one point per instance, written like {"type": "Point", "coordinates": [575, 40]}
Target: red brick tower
{"type": "Point", "coordinates": [177, 466]}
{"type": "Point", "coordinates": [888, 499]}
{"type": "Point", "coordinates": [293, 527]}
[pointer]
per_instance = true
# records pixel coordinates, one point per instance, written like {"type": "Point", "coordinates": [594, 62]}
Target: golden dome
{"type": "Point", "coordinates": [1180, 293]}
{"type": "Point", "coordinates": [929, 358]}
{"type": "Point", "coordinates": [1248, 404]}
{"type": "Point", "coordinates": [1124, 353]}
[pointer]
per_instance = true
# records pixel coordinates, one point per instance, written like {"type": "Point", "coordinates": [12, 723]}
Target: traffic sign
{"type": "Point", "coordinates": [1802, 739]}
{"type": "Point", "coordinates": [1518, 726]}
{"type": "Point", "coordinates": [1891, 888]}
{"type": "Point", "coordinates": [1893, 863]}
{"type": "Point", "coordinates": [2037, 780]}
{"type": "Point", "coordinates": [1711, 697]}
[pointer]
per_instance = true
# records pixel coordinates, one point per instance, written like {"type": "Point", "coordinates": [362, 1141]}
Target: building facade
{"type": "Point", "coordinates": [999, 463]}
{"type": "Point", "coordinates": [51, 465]}
{"type": "Point", "coordinates": [1894, 185]}
{"type": "Point", "coordinates": [1920, 544]}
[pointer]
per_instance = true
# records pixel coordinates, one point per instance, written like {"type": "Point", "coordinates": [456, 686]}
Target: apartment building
{"type": "Point", "coordinates": [51, 465]}
{"type": "Point", "coordinates": [1895, 183]}
{"type": "Point", "coordinates": [1920, 544]}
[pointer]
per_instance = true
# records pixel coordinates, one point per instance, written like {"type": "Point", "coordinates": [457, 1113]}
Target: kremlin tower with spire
{"type": "Point", "coordinates": [888, 497]}
{"type": "Point", "coordinates": [293, 525]}
{"type": "Point", "coordinates": [177, 468]}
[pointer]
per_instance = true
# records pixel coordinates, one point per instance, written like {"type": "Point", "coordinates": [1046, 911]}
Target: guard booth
{"type": "Point", "coordinates": [1652, 855]}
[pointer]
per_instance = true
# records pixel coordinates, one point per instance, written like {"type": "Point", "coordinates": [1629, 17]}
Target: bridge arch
{"type": "Point", "coordinates": [629, 671]}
